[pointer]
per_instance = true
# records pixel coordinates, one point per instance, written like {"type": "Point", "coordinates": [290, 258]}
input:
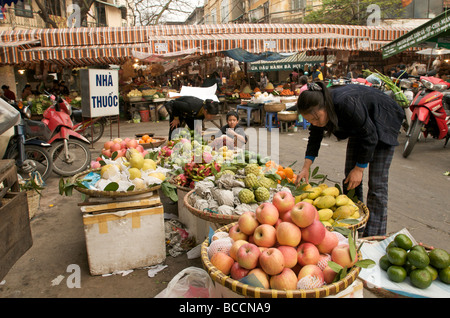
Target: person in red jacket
{"type": "Point", "coordinates": [371, 121]}
{"type": "Point", "coordinates": [9, 94]}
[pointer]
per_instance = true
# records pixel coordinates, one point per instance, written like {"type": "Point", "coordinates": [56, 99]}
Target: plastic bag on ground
{"type": "Point", "coordinates": [191, 282]}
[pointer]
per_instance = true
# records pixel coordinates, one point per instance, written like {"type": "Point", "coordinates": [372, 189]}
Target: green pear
{"type": "Point", "coordinates": [331, 191]}
{"type": "Point", "coordinates": [343, 212]}
{"type": "Point", "coordinates": [326, 201]}
{"type": "Point", "coordinates": [342, 200]}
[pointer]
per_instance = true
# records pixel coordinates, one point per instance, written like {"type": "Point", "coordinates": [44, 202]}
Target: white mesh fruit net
{"type": "Point", "coordinates": [220, 245]}
{"type": "Point", "coordinates": [309, 282]}
{"type": "Point", "coordinates": [323, 261]}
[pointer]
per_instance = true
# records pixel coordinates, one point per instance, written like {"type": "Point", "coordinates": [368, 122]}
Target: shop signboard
{"type": "Point", "coordinates": [99, 92]}
{"type": "Point", "coordinates": [435, 31]}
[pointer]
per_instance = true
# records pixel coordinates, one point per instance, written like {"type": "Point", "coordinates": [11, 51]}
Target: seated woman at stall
{"type": "Point", "coordinates": [233, 134]}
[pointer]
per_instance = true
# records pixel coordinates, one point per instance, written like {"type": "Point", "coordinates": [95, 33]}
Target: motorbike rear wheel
{"type": "Point", "coordinates": [93, 131]}
{"type": "Point", "coordinates": [413, 137]}
{"type": "Point", "coordinates": [75, 160]}
{"type": "Point", "coordinates": [36, 159]}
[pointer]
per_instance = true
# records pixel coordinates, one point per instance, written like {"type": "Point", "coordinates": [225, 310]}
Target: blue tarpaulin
{"type": "Point", "coordinates": [241, 55]}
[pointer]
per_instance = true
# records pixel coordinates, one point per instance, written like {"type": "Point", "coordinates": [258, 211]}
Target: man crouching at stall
{"type": "Point", "coordinates": [186, 109]}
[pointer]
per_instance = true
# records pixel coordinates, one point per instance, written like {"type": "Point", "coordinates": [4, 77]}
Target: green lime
{"type": "Point", "coordinates": [421, 278]}
{"type": "Point", "coordinates": [403, 241]}
{"type": "Point", "coordinates": [397, 256]}
{"type": "Point", "coordinates": [419, 248]}
{"type": "Point", "coordinates": [396, 273]}
{"type": "Point", "coordinates": [418, 259]}
{"type": "Point", "coordinates": [444, 275]}
{"type": "Point", "coordinates": [384, 262]}
{"type": "Point", "coordinates": [439, 258]}
{"type": "Point", "coordinates": [392, 244]}
{"type": "Point", "coordinates": [409, 267]}
{"type": "Point", "coordinates": [433, 271]}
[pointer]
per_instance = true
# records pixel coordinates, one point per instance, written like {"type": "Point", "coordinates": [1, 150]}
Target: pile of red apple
{"type": "Point", "coordinates": [284, 245]}
{"type": "Point", "coordinates": [120, 146]}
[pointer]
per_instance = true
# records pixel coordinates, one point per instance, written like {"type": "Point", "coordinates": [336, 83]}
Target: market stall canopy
{"type": "Point", "coordinates": [433, 51]}
{"type": "Point", "coordinates": [298, 60]}
{"type": "Point", "coordinates": [150, 57]}
{"type": "Point", "coordinates": [114, 45]}
{"type": "Point", "coordinates": [7, 2]}
{"type": "Point", "coordinates": [435, 32]}
{"type": "Point", "coordinates": [241, 55]}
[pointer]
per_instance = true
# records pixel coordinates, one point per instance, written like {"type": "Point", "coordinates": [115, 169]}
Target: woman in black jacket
{"type": "Point", "coordinates": [371, 121]}
{"type": "Point", "coordinates": [184, 110]}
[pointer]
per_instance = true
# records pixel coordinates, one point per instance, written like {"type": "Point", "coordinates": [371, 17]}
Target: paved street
{"type": "Point", "coordinates": [419, 200]}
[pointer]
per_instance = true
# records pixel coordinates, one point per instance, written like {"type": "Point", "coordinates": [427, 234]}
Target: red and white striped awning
{"type": "Point", "coordinates": [77, 46]}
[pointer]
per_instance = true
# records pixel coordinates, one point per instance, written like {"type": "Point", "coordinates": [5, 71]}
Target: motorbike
{"type": "Point", "coordinates": [70, 150]}
{"type": "Point", "coordinates": [429, 116]}
{"type": "Point", "coordinates": [20, 142]}
{"type": "Point", "coordinates": [91, 128]}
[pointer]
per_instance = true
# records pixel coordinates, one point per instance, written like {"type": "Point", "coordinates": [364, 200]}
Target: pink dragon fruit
{"type": "Point", "coordinates": [207, 157]}
{"type": "Point", "coordinates": [181, 180]}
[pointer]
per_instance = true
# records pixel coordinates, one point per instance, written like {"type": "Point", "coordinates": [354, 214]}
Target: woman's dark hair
{"type": "Point", "coordinates": [233, 113]}
{"type": "Point", "coordinates": [303, 79]}
{"type": "Point", "coordinates": [317, 97]}
{"type": "Point", "coordinates": [212, 107]}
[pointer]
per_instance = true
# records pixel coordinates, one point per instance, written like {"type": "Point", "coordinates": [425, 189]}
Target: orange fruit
{"type": "Point", "coordinates": [145, 137]}
{"type": "Point", "coordinates": [281, 174]}
{"type": "Point", "coordinates": [141, 141]}
{"type": "Point", "coordinates": [289, 172]}
{"type": "Point", "coordinates": [280, 168]}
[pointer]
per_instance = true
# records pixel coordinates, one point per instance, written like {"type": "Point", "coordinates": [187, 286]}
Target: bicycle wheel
{"type": "Point", "coordinates": [75, 160]}
{"type": "Point", "coordinates": [36, 159]}
{"type": "Point", "coordinates": [93, 132]}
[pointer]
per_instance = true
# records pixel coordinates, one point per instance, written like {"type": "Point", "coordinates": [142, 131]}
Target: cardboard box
{"type": "Point", "coordinates": [124, 235]}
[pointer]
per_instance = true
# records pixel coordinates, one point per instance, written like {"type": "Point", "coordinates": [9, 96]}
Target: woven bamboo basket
{"type": "Point", "coordinates": [210, 216]}
{"type": "Point", "coordinates": [274, 107]}
{"type": "Point", "coordinates": [158, 141]}
{"type": "Point", "coordinates": [111, 194]}
{"type": "Point", "coordinates": [258, 292]}
{"type": "Point", "coordinates": [379, 291]}
{"type": "Point", "coordinates": [364, 212]}
{"type": "Point", "coordinates": [287, 116]}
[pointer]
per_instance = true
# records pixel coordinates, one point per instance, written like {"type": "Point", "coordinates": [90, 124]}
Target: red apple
{"type": "Point", "coordinates": [329, 274]}
{"type": "Point", "coordinates": [99, 159]}
{"type": "Point", "coordinates": [117, 140]}
{"type": "Point", "coordinates": [132, 143]}
{"type": "Point", "coordinates": [108, 144]}
{"type": "Point", "coordinates": [341, 255]}
{"type": "Point", "coordinates": [248, 223]}
{"type": "Point", "coordinates": [237, 272]}
{"type": "Point", "coordinates": [315, 233]}
{"type": "Point", "coordinates": [236, 234]}
{"type": "Point", "coordinates": [288, 234]}
{"type": "Point", "coordinates": [283, 201]}
{"type": "Point", "coordinates": [265, 235]}
{"type": "Point", "coordinates": [223, 262]}
{"type": "Point", "coordinates": [115, 147]}
{"type": "Point", "coordinates": [123, 144]}
{"type": "Point", "coordinates": [262, 277]}
{"type": "Point", "coordinates": [286, 280]}
{"type": "Point", "coordinates": [272, 261]}
{"type": "Point", "coordinates": [329, 242]}
{"type": "Point", "coordinates": [307, 254]}
{"type": "Point", "coordinates": [140, 148]}
{"type": "Point", "coordinates": [235, 247]}
{"type": "Point", "coordinates": [303, 214]}
{"type": "Point", "coordinates": [248, 255]}
{"type": "Point", "coordinates": [289, 254]}
{"type": "Point", "coordinates": [286, 217]}
{"type": "Point", "coordinates": [106, 152]}
{"type": "Point", "coordinates": [310, 276]}
{"type": "Point", "coordinates": [267, 213]}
